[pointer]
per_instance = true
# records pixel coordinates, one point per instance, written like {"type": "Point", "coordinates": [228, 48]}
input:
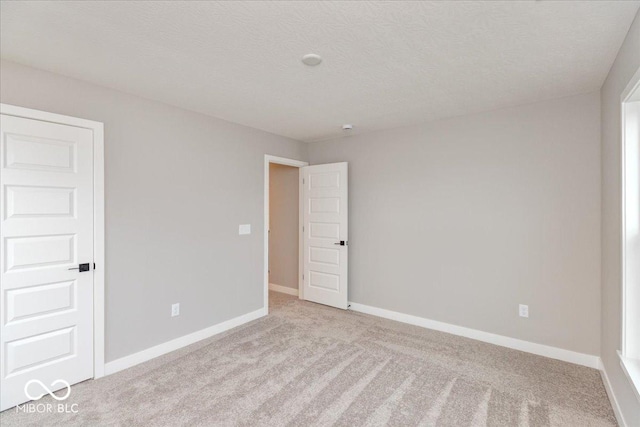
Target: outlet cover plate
{"type": "Point", "coordinates": [523, 310]}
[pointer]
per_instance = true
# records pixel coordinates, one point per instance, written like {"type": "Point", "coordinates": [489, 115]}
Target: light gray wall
{"type": "Point", "coordinates": [283, 219]}
{"type": "Point", "coordinates": [460, 220]}
{"type": "Point", "coordinates": [178, 184]}
{"type": "Point", "coordinates": [624, 67]}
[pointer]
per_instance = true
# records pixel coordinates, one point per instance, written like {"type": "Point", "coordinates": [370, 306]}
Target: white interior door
{"type": "Point", "coordinates": [325, 231]}
{"type": "Point", "coordinates": [46, 301]}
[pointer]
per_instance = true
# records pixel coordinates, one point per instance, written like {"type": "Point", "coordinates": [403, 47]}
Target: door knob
{"type": "Point", "coordinates": [341, 243]}
{"type": "Point", "coordinates": [81, 267]}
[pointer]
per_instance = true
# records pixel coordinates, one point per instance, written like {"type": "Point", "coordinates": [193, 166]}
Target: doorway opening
{"type": "Point", "coordinates": [322, 230]}
{"type": "Point", "coordinates": [283, 229]}
{"type": "Point", "coordinates": [282, 221]}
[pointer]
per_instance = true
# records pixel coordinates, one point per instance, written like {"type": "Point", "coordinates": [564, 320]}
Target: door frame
{"type": "Point", "coordinates": [98, 217]}
{"type": "Point", "coordinates": [268, 159]}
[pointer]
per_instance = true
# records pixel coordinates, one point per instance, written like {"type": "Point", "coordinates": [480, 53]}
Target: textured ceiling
{"type": "Point", "coordinates": [386, 64]}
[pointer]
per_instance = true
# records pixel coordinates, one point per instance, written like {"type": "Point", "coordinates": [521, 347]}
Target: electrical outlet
{"type": "Point", "coordinates": [175, 310]}
{"type": "Point", "coordinates": [523, 310]}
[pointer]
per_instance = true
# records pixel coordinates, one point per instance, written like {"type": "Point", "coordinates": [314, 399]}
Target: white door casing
{"type": "Point", "coordinates": [325, 231]}
{"type": "Point", "coordinates": [46, 309]}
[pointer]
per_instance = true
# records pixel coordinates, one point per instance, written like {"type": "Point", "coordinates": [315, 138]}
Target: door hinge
{"type": "Point", "coordinates": [303, 228]}
{"type": "Point", "coordinates": [303, 180]}
{"type": "Point", "coordinates": [303, 277]}
{"type": "Point", "coordinates": [94, 265]}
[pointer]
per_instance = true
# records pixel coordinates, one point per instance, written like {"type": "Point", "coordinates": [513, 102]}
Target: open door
{"type": "Point", "coordinates": [325, 234]}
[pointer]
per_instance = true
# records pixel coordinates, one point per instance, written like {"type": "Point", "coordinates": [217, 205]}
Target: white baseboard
{"type": "Point", "coordinates": [612, 396]}
{"type": "Point", "coordinates": [283, 289]}
{"type": "Point", "coordinates": [175, 344]}
{"type": "Point", "coordinates": [514, 343]}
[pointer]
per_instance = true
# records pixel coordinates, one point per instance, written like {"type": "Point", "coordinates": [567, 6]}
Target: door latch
{"type": "Point", "coordinates": [81, 267]}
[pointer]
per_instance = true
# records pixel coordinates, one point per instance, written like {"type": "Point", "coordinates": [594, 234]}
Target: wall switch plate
{"type": "Point", "coordinates": [523, 310]}
{"type": "Point", "coordinates": [175, 310]}
{"type": "Point", "coordinates": [244, 229]}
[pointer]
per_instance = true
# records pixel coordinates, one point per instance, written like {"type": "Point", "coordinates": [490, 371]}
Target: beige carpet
{"type": "Point", "coordinates": [306, 364]}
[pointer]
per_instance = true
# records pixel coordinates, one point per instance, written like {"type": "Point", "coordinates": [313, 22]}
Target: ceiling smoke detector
{"type": "Point", "coordinates": [347, 127]}
{"type": "Point", "coordinates": [311, 59]}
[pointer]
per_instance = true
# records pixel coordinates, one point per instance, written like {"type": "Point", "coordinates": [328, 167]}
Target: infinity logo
{"type": "Point", "coordinates": [53, 384]}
